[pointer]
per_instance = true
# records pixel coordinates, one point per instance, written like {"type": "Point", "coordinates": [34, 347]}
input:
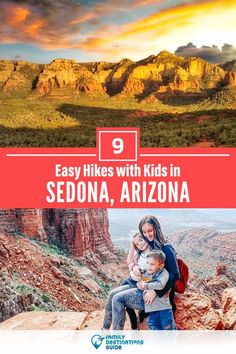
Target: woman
{"type": "Point", "coordinates": [150, 228]}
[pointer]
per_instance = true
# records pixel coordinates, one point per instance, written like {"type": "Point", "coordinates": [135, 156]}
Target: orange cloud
{"type": "Point", "coordinates": [17, 15]}
{"type": "Point", "coordinates": [171, 17]}
{"type": "Point", "coordinates": [160, 24]}
{"type": "Point", "coordinates": [84, 18]}
{"type": "Point", "coordinates": [33, 29]}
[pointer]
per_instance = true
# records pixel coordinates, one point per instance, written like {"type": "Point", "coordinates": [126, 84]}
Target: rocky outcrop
{"type": "Point", "coordinates": [19, 75]}
{"type": "Point", "coordinates": [25, 221]}
{"type": "Point", "coordinates": [16, 297]}
{"type": "Point", "coordinates": [11, 302]}
{"type": "Point", "coordinates": [230, 79]}
{"type": "Point", "coordinates": [208, 303]}
{"type": "Point", "coordinates": [167, 73]}
{"type": "Point", "coordinates": [194, 311]}
{"type": "Point", "coordinates": [63, 73]}
{"type": "Point", "coordinates": [6, 69]}
{"type": "Point", "coordinates": [229, 308]}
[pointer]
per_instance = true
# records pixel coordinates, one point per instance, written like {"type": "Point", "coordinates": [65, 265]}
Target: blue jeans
{"type": "Point", "coordinates": [129, 281]}
{"type": "Point", "coordinates": [161, 320]}
{"type": "Point", "coordinates": [118, 299]}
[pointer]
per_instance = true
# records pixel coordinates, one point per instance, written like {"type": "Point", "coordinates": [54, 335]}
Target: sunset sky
{"type": "Point", "coordinates": [40, 31]}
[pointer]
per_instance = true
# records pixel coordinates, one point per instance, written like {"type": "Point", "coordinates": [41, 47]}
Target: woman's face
{"type": "Point", "coordinates": [140, 243]}
{"type": "Point", "coordinates": [148, 231]}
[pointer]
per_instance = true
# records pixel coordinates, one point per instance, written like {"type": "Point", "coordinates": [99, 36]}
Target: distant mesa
{"type": "Point", "coordinates": [147, 79]}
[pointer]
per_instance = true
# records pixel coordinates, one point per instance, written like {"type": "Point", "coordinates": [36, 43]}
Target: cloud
{"type": "Point", "coordinates": [60, 24]}
{"type": "Point", "coordinates": [163, 28]}
{"type": "Point", "coordinates": [116, 28]}
{"type": "Point", "coordinates": [211, 54]}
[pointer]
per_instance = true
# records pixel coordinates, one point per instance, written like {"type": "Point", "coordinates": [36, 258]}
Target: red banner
{"type": "Point", "coordinates": [147, 177]}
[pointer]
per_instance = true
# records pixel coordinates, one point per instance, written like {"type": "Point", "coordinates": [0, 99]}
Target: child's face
{"type": "Point", "coordinates": [140, 243]}
{"type": "Point", "coordinates": [153, 265]}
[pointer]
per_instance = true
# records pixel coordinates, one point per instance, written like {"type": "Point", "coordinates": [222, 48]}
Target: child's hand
{"type": "Point", "coordinates": [136, 271]}
{"type": "Point", "coordinates": [141, 285]}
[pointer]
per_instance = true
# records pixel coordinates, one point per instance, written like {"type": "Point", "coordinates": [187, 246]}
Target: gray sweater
{"type": "Point", "coordinates": [157, 281]}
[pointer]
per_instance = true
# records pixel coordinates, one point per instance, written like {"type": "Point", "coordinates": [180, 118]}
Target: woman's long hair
{"type": "Point", "coordinates": [159, 238]}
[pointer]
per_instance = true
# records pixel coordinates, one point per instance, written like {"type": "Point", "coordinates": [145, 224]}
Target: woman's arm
{"type": "Point", "coordinates": [171, 266]}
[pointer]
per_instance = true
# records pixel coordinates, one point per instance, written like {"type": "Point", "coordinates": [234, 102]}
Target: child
{"type": "Point", "coordinates": [155, 278]}
{"type": "Point", "coordinates": [138, 266]}
{"type": "Point", "coordinates": [139, 263]}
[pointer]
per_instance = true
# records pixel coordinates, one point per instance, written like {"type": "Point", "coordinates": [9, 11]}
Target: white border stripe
{"type": "Point", "coordinates": [188, 155]}
{"type": "Point", "coordinates": [118, 131]}
{"type": "Point", "coordinates": [48, 155]}
{"type": "Point", "coordinates": [142, 155]}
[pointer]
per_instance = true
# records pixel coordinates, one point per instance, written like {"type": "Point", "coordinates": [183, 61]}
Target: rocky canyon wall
{"type": "Point", "coordinates": [78, 231]}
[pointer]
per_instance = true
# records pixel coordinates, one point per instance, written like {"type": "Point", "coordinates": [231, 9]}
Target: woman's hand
{"type": "Point", "coordinates": [149, 296]}
{"type": "Point", "coordinates": [167, 294]}
{"type": "Point", "coordinates": [136, 271]}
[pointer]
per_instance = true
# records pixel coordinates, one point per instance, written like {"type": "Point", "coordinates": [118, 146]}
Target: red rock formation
{"type": "Point", "coordinates": [81, 232]}
{"type": "Point", "coordinates": [194, 311]}
{"type": "Point", "coordinates": [221, 269]}
{"type": "Point", "coordinates": [230, 79]}
{"type": "Point", "coordinates": [25, 221]}
{"type": "Point", "coordinates": [162, 73]}
{"type": "Point", "coordinates": [62, 73]}
{"type": "Point", "coordinates": [208, 303]}
{"type": "Point", "coordinates": [229, 308]}
{"type": "Point", "coordinates": [19, 75]}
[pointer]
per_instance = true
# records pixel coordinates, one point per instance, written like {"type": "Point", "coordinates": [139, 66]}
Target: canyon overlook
{"type": "Point", "coordinates": [60, 260]}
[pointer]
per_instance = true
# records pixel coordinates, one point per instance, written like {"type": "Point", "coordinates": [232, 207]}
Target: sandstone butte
{"type": "Point", "coordinates": [208, 303]}
{"type": "Point", "coordinates": [147, 78]}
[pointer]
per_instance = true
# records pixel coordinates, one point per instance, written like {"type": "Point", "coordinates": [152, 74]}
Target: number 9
{"type": "Point", "coordinates": [118, 145]}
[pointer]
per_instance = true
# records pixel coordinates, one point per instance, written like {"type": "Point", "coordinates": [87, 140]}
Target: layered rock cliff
{"type": "Point", "coordinates": [80, 232]}
{"type": "Point", "coordinates": [155, 75]}
{"type": "Point", "coordinates": [19, 75]}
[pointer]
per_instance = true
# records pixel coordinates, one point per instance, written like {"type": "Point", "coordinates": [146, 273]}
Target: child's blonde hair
{"type": "Point", "coordinates": [134, 252]}
{"type": "Point", "coordinates": [136, 234]}
{"type": "Point", "coordinates": [157, 255]}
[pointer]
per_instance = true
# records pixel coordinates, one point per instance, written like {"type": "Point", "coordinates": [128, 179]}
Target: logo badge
{"type": "Point", "coordinates": [97, 340]}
